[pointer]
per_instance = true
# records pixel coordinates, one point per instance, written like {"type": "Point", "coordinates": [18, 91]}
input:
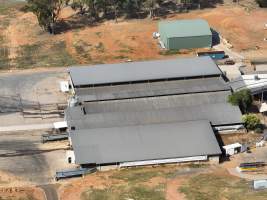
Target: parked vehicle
{"type": "Point", "coordinates": [229, 62]}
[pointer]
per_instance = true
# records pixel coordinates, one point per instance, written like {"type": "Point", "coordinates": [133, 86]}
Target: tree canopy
{"type": "Point", "coordinates": [252, 122]}
{"type": "Point", "coordinates": [242, 98]}
{"type": "Point", "coordinates": [262, 3]}
{"type": "Point", "coordinates": [48, 11]}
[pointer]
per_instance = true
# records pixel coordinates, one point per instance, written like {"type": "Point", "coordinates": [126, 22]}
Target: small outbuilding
{"type": "Point", "coordinates": [260, 184]}
{"type": "Point", "coordinates": [232, 149]}
{"type": "Point", "coordinates": [185, 34]}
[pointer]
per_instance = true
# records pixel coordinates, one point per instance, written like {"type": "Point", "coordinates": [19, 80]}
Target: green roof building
{"type": "Point", "coordinates": [185, 34]}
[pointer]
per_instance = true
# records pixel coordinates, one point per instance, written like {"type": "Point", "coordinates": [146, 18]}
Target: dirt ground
{"type": "Point", "coordinates": [109, 42]}
{"type": "Point", "coordinates": [18, 193]}
{"type": "Point", "coordinates": [250, 138]}
{"type": "Point", "coordinates": [171, 176]}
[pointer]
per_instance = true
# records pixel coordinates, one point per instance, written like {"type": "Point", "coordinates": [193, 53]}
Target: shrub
{"type": "Point", "coordinates": [252, 122]}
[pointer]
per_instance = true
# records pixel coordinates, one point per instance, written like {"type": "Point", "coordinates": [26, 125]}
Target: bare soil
{"type": "Point", "coordinates": [109, 42]}
{"type": "Point", "coordinates": [249, 137]}
{"type": "Point", "coordinates": [17, 193]}
{"type": "Point", "coordinates": [172, 192]}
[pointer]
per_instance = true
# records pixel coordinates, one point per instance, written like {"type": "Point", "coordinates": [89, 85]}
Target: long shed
{"type": "Point", "coordinates": [145, 71]}
{"type": "Point", "coordinates": [185, 34]}
{"type": "Point", "coordinates": [145, 144]}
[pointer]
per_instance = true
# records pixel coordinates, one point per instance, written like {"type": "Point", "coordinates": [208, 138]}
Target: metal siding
{"type": "Point", "coordinates": [185, 28]}
{"type": "Point", "coordinates": [163, 161]}
{"type": "Point", "coordinates": [163, 36]}
{"type": "Point", "coordinates": [189, 42]}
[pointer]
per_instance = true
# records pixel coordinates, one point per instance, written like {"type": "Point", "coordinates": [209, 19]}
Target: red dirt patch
{"type": "Point", "coordinates": [172, 192]}
{"type": "Point", "coordinates": [73, 190]}
{"type": "Point", "coordinates": [22, 193]}
{"type": "Point", "coordinates": [110, 42]}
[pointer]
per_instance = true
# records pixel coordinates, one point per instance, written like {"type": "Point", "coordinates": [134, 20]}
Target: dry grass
{"type": "Point", "coordinates": [110, 42]}
{"type": "Point", "coordinates": [217, 187]}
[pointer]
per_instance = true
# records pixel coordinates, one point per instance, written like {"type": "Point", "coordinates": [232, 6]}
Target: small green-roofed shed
{"type": "Point", "coordinates": [185, 34]}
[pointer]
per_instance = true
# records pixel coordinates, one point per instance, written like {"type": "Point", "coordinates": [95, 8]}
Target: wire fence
{"type": "Point", "coordinates": [30, 109]}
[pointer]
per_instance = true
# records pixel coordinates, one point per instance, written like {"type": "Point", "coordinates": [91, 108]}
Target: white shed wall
{"type": "Point", "coordinates": [163, 161]}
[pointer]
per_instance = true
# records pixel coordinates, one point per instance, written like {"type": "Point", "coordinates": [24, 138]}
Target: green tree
{"type": "Point", "coordinates": [262, 3]}
{"type": "Point", "coordinates": [151, 6]}
{"type": "Point", "coordinates": [242, 98]}
{"type": "Point", "coordinates": [79, 5]}
{"type": "Point", "coordinates": [47, 12]}
{"type": "Point", "coordinates": [132, 7]}
{"type": "Point", "coordinates": [251, 121]}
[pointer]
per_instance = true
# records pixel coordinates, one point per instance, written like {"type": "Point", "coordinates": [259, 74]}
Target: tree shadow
{"type": "Point", "coordinates": [78, 21]}
{"type": "Point", "coordinates": [75, 22]}
{"type": "Point", "coordinates": [215, 37]}
{"type": "Point", "coordinates": [210, 3]}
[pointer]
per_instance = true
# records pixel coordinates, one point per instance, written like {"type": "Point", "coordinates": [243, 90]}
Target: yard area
{"type": "Point", "coordinates": [109, 42]}
{"type": "Point", "coordinates": [216, 186]}
{"type": "Point", "coordinates": [189, 182]}
{"type": "Point", "coordinates": [21, 193]}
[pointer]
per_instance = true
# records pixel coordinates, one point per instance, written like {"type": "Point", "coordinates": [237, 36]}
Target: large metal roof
{"type": "Point", "coordinates": [146, 142]}
{"type": "Point", "coordinates": [184, 28]}
{"type": "Point", "coordinates": [177, 108]}
{"type": "Point", "coordinates": [143, 71]}
{"type": "Point", "coordinates": [151, 89]}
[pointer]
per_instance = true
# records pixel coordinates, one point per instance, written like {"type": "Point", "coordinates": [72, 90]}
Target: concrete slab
{"type": "Point", "coordinates": [26, 127]}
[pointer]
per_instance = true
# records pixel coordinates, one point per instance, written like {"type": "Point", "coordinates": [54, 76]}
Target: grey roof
{"type": "Point", "coordinates": [147, 142]}
{"type": "Point", "coordinates": [151, 89]}
{"type": "Point", "coordinates": [238, 84]}
{"type": "Point", "coordinates": [184, 28]}
{"type": "Point", "coordinates": [255, 88]}
{"type": "Point", "coordinates": [178, 108]}
{"type": "Point", "coordinates": [155, 103]}
{"type": "Point", "coordinates": [144, 71]}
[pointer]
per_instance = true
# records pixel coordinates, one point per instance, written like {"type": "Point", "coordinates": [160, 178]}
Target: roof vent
{"type": "Point", "coordinates": [256, 77]}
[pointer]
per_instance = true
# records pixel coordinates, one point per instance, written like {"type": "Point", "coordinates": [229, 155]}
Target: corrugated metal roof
{"type": "Point", "coordinates": [184, 28]}
{"type": "Point", "coordinates": [256, 83]}
{"type": "Point", "coordinates": [151, 89]}
{"type": "Point", "coordinates": [144, 71]}
{"type": "Point", "coordinates": [218, 114]}
{"type": "Point", "coordinates": [155, 103]}
{"type": "Point", "coordinates": [148, 142]}
{"type": "Point", "coordinates": [202, 106]}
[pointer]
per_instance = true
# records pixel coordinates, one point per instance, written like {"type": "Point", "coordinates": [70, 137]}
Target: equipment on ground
{"type": "Point", "coordinates": [74, 173]}
{"type": "Point", "coordinates": [54, 137]}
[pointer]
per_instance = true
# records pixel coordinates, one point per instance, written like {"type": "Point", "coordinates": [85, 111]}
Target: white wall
{"type": "Point", "coordinates": [163, 161]}
{"type": "Point", "coordinates": [70, 154]}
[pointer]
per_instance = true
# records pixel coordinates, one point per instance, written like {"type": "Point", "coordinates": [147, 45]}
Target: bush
{"type": "Point", "coordinates": [242, 98]}
{"type": "Point", "coordinates": [252, 122]}
{"type": "Point", "coordinates": [262, 3]}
